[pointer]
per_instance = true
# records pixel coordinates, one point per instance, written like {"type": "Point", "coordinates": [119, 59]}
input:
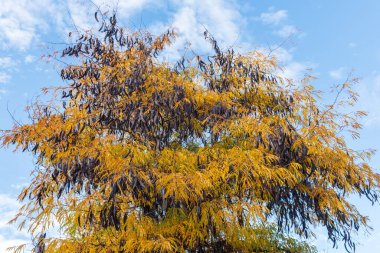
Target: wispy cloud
{"type": "Point", "coordinates": [126, 8]}
{"type": "Point", "coordinates": [287, 31]}
{"type": "Point", "coordinates": [81, 12]}
{"type": "Point", "coordinates": [23, 22]}
{"type": "Point", "coordinates": [337, 74]}
{"type": "Point", "coordinates": [289, 68]}
{"type": "Point", "coordinates": [7, 62]}
{"type": "Point", "coordinates": [190, 18]}
{"type": "Point", "coordinates": [281, 54]}
{"type": "Point", "coordinates": [4, 77]}
{"type": "Point", "coordinates": [19, 22]}
{"type": "Point", "coordinates": [7, 65]}
{"type": "Point", "coordinates": [19, 186]}
{"type": "Point", "coordinates": [369, 90]}
{"type": "Point", "coordinates": [9, 235]}
{"type": "Point", "coordinates": [352, 45]}
{"type": "Point", "coordinates": [29, 58]}
{"type": "Point", "coordinates": [296, 71]}
{"type": "Point", "coordinates": [273, 17]}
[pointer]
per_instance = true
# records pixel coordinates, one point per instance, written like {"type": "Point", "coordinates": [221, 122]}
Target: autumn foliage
{"type": "Point", "coordinates": [211, 154]}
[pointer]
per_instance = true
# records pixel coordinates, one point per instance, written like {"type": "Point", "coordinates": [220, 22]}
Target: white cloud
{"type": "Point", "coordinates": [29, 58]}
{"type": "Point", "coordinates": [7, 62]}
{"type": "Point", "coordinates": [281, 54]}
{"type": "Point", "coordinates": [9, 235]}
{"type": "Point", "coordinates": [369, 90]}
{"type": "Point", "coordinates": [274, 17]}
{"type": "Point", "coordinates": [126, 8]}
{"type": "Point", "coordinates": [337, 74]}
{"type": "Point", "coordinates": [6, 243]}
{"type": "Point", "coordinates": [221, 18]}
{"type": "Point", "coordinates": [289, 68]}
{"type": "Point", "coordinates": [295, 71]}
{"type": "Point", "coordinates": [19, 186]}
{"type": "Point", "coordinates": [20, 20]}
{"type": "Point", "coordinates": [81, 13]}
{"type": "Point", "coordinates": [4, 77]}
{"type": "Point", "coordinates": [287, 31]}
{"type": "Point", "coordinates": [352, 45]}
{"type": "Point", "coordinates": [7, 203]}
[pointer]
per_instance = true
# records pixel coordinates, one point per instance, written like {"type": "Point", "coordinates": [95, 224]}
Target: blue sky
{"type": "Point", "coordinates": [332, 38]}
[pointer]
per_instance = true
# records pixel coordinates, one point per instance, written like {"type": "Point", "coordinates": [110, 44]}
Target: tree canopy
{"type": "Point", "coordinates": [215, 153]}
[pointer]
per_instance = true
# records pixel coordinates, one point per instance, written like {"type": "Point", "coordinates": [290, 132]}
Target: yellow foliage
{"type": "Point", "coordinates": [145, 157]}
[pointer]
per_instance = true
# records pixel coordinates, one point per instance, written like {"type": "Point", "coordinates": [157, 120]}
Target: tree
{"type": "Point", "coordinates": [140, 155]}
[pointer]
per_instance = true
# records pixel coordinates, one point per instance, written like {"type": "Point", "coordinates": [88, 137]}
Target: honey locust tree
{"type": "Point", "coordinates": [211, 154]}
